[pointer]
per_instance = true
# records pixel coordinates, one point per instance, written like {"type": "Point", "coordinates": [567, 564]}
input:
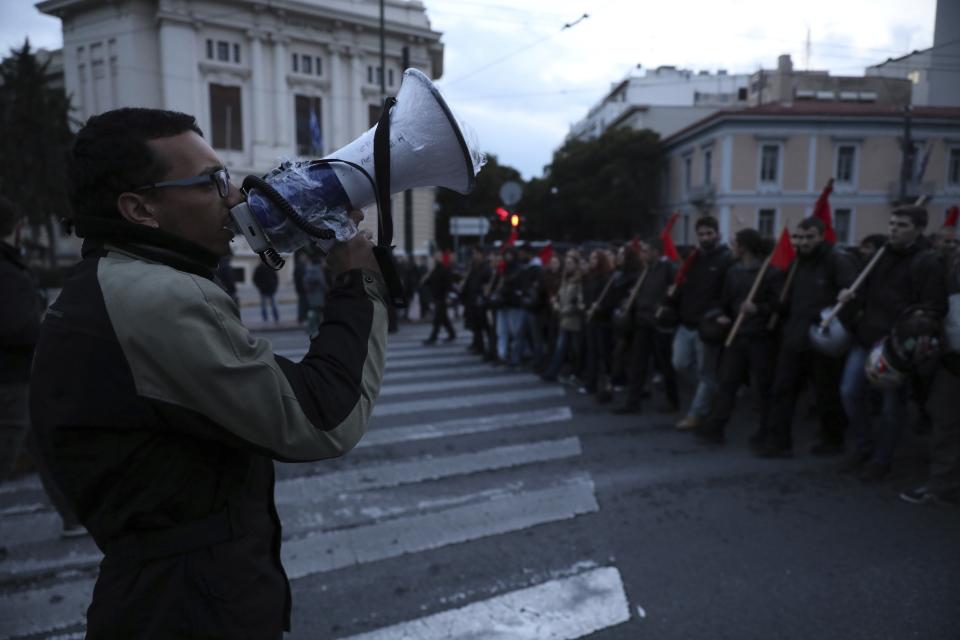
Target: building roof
{"type": "Point", "coordinates": [819, 110]}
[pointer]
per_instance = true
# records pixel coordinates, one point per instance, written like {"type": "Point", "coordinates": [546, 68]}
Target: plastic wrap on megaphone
{"type": "Point", "coordinates": [313, 189]}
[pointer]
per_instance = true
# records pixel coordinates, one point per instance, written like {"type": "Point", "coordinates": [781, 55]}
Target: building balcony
{"type": "Point", "coordinates": [702, 195]}
{"type": "Point", "coordinates": [914, 189]}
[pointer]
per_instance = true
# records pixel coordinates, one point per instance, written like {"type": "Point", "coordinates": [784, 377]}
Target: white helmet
{"type": "Point", "coordinates": [879, 370]}
{"type": "Point", "coordinates": [833, 340]}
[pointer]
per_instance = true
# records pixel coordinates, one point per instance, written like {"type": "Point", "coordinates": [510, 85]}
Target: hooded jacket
{"type": "Point", "coordinates": [160, 416]}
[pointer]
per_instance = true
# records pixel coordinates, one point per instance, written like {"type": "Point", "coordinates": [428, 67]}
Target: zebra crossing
{"type": "Point", "coordinates": [460, 461]}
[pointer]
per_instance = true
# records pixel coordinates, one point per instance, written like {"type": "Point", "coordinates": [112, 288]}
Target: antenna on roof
{"type": "Point", "coordinates": [806, 61]}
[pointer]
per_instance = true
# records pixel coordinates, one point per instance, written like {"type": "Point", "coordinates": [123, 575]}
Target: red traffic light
{"type": "Point", "coordinates": [502, 213]}
{"type": "Point", "coordinates": [514, 220]}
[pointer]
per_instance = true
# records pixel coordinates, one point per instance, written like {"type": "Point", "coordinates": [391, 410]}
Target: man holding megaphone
{"type": "Point", "coordinates": [159, 413]}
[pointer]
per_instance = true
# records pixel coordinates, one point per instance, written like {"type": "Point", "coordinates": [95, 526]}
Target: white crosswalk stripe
{"type": "Point", "coordinates": [362, 512]}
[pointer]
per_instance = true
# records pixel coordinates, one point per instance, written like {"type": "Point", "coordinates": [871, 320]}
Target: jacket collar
{"type": "Point", "coordinates": [145, 242]}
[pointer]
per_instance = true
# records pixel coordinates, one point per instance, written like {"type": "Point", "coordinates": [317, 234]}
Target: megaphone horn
{"type": "Point", "coordinates": [305, 201]}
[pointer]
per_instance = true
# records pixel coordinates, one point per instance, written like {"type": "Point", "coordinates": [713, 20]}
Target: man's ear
{"type": "Point", "coordinates": [134, 208]}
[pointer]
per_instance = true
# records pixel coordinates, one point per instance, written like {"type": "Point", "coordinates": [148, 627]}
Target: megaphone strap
{"type": "Point", "coordinates": [381, 166]}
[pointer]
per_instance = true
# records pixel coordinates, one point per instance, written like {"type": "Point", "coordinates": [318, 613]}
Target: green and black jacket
{"type": "Point", "coordinates": [161, 414]}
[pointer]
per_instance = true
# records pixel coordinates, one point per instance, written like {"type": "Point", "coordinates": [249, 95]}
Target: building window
{"type": "Point", "coordinates": [223, 51]}
{"type": "Point", "coordinates": [309, 115]}
{"type": "Point", "coordinates": [236, 53]}
{"type": "Point", "coordinates": [687, 173]}
{"type": "Point", "coordinates": [769, 161]}
{"type": "Point", "coordinates": [319, 66]}
{"type": "Point", "coordinates": [707, 166]}
{"type": "Point", "coordinates": [390, 76]}
{"type": "Point", "coordinates": [767, 222]}
{"type": "Point", "coordinates": [953, 167]}
{"type": "Point", "coordinates": [296, 62]}
{"type": "Point", "coordinates": [846, 159]}
{"type": "Point", "coordinates": [373, 114]}
{"type": "Point", "coordinates": [306, 64]}
{"type": "Point", "coordinates": [374, 75]}
{"type": "Point", "coordinates": [369, 74]}
{"type": "Point", "coordinates": [209, 49]}
{"type": "Point", "coordinates": [226, 120]}
{"type": "Point", "coordinates": [841, 225]}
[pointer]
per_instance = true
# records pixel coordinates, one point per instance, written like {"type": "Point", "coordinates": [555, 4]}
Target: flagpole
{"type": "Point", "coordinates": [753, 292]}
{"type": "Point", "coordinates": [783, 294]}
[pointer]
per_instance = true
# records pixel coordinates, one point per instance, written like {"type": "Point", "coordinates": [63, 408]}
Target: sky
{"type": "Point", "coordinates": [519, 79]}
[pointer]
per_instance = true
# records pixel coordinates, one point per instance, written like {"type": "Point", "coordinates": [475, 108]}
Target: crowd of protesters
{"type": "Point", "coordinates": [625, 322]}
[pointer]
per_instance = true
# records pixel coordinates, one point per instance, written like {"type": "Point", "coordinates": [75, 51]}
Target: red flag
{"type": "Point", "coordinates": [952, 215]}
{"type": "Point", "coordinates": [669, 249]}
{"type": "Point", "coordinates": [546, 255]}
{"type": "Point", "coordinates": [821, 210]}
{"type": "Point", "coordinates": [784, 253]}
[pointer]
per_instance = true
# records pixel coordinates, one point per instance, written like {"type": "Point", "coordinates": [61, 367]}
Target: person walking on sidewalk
{"type": "Point", "coordinates": [440, 283]}
{"type": "Point", "coordinates": [699, 293]}
{"type": "Point", "coordinates": [266, 281]}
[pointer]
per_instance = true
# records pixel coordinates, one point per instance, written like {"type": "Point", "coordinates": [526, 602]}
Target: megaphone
{"type": "Point", "coordinates": [831, 339]}
{"type": "Point", "coordinates": [300, 203]}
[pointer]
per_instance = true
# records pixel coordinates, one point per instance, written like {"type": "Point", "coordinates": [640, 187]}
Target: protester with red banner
{"type": "Point", "coordinates": [699, 293]}
{"type": "Point", "coordinates": [820, 273]}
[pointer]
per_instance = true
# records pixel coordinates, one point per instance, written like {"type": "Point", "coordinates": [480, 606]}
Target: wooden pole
{"type": "Point", "coordinates": [827, 319]}
{"type": "Point", "coordinates": [753, 292]}
{"type": "Point", "coordinates": [783, 294]}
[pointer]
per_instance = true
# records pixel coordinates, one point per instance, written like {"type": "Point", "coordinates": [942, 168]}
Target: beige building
{"type": "Point", "coordinates": [764, 167]}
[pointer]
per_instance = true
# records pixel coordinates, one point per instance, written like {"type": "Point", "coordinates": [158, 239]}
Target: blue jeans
{"type": "Point", "coordinates": [264, 301]}
{"type": "Point", "coordinates": [875, 443]}
{"type": "Point", "coordinates": [689, 352]}
{"type": "Point", "coordinates": [510, 334]}
{"type": "Point", "coordinates": [566, 342]}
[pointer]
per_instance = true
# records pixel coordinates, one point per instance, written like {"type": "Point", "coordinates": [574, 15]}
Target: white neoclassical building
{"type": "Point", "coordinates": [267, 81]}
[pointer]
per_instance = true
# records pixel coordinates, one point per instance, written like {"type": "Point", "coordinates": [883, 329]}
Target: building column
{"type": "Point", "coordinates": [338, 100]}
{"type": "Point", "coordinates": [356, 104]}
{"type": "Point", "coordinates": [178, 65]}
{"type": "Point", "coordinates": [259, 89]}
{"type": "Point", "coordinates": [282, 113]}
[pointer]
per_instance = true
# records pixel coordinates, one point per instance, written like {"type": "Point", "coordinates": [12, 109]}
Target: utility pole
{"type": "Point", "coordinates": [408, 194]}
{"type": "Point", "coordinates": [383, 52]}
{"type": "Point", "coordinates": [906, 164]}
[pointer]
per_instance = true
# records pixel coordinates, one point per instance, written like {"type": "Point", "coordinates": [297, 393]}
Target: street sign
{"type": "Point", "coordinates": [478, 226]}
{"type": "Point", "coordinates": [511, 192]}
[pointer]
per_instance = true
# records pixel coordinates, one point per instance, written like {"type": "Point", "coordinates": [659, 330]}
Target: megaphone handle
{"type": "Point", "coordinates": [388, 267]}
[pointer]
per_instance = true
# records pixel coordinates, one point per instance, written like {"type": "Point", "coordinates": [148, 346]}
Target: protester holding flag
{"type": "Point", "coordinates": [699, 293]}
{"type": "Point", "coordinates": [820, 273]}
{"type": "Point", "coordinates": [909, 273]}
{"type": "Point", "coordinates": [749, 294]}
{"type": "Point", "coordinates": [647, 343]}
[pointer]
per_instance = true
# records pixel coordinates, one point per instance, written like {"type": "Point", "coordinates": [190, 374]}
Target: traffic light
{"type": "Point", "coordinates": [503, 214]}
{"type": "Point", "coordinates": [514, 221]}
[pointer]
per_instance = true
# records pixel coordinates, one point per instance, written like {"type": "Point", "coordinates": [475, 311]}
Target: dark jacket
{"type": "Point", "coordinates": [736, 287]}
{"type": "Point", "coordinates": [913, 275]}
{"type": "Point", "coordinates": [19, 316]}
{"type": "Point", "coordinates": [473, 294]}
{"type": "Point", "coordinates": [818, 279]}
{"type": "Point", "coordinates": [654, 287]}
{"type": "Point", "coordinates": [265, 279]}
{"type": "Point", "coordinates": [160, 416]}
{"type": "Point", "coordinates": [440, 281]}
{"type": "Point", "coordinates": [700, 292]}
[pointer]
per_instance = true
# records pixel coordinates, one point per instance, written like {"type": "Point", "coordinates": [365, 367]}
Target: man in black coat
{"type": "Point", "coordinates": [820, 272]}
{"type": "Point", "coordinates": [474, 300]}
{"type": "Point", "coordinates": [908, 274]}
{"type": "Point", "coordinates": [751, 351]}
{"type": "Point", "coordinates": [440, 284]}
{"type": "Point", "coordinates": [699, 293]}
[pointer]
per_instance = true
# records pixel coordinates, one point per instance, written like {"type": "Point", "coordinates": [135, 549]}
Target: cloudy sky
{"type": "Point", "coordinates": [519, 79]}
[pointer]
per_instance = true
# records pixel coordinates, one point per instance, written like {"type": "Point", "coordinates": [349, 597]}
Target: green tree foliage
{"type": "Point", "coordinates": [599, 189]}
{"type": "Point", "coordinates": [34, 139]}
{"type": "Point", "coordinates": [482, 201]}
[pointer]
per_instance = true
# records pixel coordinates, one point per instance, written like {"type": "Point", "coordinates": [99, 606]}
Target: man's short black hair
{"type": "Point", "coordinates": [9, 215]}
{"type": "Point", "coordinates": [751, 240]}
{"type": "Point", "coordinates": [875, 240]}
{"type": "Point", "coordinates": [707, 221]}
{"type": "Point", "coordinates": [111, 155]}
{"type": "Point", "coordinates": [917, 215]}
{"type": "Point", "coordinates": [813, 223]}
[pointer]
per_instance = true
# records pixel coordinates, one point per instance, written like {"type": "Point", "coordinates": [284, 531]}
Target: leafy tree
{"type": "Point", "coordinates": [599, 189]}
{"type": "Point", "coordinates": [482, 201]}
{"type": "Point", "coordinates": [34, 139]}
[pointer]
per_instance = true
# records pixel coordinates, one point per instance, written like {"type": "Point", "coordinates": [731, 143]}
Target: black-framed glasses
{"type": "Point", "coordinates": [221, 178]}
